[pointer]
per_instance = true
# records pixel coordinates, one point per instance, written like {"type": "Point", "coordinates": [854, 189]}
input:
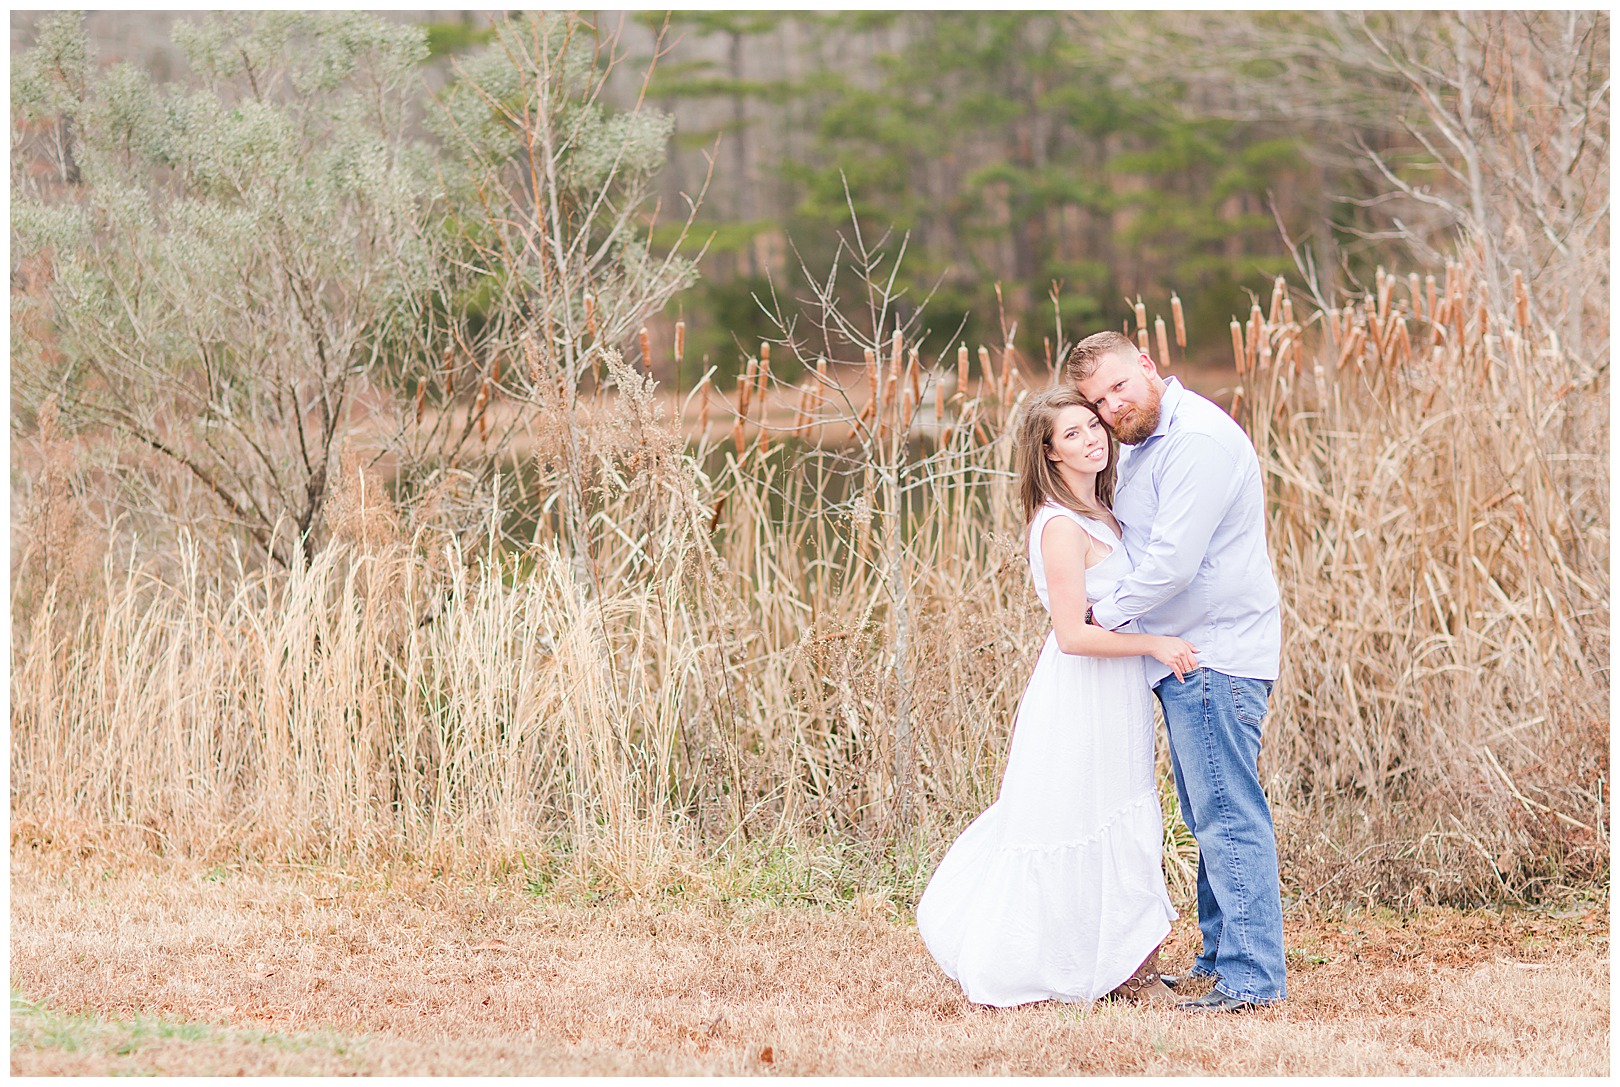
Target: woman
{"type": "Point", "coordinates": [1056, 890]}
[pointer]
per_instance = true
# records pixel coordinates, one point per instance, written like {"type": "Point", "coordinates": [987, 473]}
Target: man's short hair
{"type": "Point", "coordinates": [1085, 356]}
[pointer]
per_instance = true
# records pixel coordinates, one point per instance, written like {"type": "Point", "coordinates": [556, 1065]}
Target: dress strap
{"type": "Point", "coordinates": [1097, 529]}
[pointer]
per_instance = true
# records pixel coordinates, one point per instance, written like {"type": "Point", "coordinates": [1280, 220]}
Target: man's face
{"type": "Point", "coordinates": [1126, 389]}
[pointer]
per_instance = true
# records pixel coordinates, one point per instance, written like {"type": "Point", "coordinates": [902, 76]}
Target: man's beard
{"type": "Point", "coordinates": [1140, 421]}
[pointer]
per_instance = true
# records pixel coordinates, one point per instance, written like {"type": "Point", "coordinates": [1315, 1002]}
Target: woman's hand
{"type": "Point", "coordinates": [1176, 654]}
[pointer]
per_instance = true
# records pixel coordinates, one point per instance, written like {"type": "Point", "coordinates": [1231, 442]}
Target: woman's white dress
{"type": "Point", "coordinates": [1056, 891]}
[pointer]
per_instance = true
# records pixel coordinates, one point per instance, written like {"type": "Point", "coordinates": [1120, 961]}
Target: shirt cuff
{"type": "Point", "coordinates": [1107, 616]}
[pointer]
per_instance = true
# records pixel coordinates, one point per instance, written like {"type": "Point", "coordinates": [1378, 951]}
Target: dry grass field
{"type": "Point", "coordinates": [122, 965]}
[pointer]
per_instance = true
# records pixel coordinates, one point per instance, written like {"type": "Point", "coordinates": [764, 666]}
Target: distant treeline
{"type": "Point", "coordinates": [1100, 156]}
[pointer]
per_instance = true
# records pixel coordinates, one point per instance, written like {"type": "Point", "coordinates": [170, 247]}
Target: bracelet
{"type": "Point", "coordinates": [1091, 620]}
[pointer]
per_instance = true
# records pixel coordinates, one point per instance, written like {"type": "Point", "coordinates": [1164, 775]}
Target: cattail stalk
{"type": "Point", "coordinates": [1181, 322]}
{"type": "Point", "coordinates": [1257, 331]}
{"type": "Point", "coordinates": [1238, 353]}
{"type": "Point", "coordinates": [1521, 301]}
{"type": "Point", "coordinates": [987, 372]}
{"type": "Point", "coordinates": [646, 347]}
{"type": "Point", "coordinates": [1279, 291]}
{"type": "Point", "coordinates": [1163, 339]}
{"type": "Point", "coordinates": [801, 415]}
{"type": "Point", "coordinates": [421, 398]}
{"type": "Point", "coordinates": [1141, 317]}
{"type": "Point", "coordinates": [745, 387]}
{"type": "Point", "coordinates": [961, 370]}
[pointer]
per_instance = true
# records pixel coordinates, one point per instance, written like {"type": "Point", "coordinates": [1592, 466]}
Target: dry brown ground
{"type": "Point", "coordinates": [135, 966]}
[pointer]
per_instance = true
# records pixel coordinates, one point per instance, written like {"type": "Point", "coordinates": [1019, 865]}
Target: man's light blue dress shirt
{"type": "Point", "coordinates": [1190, 501]}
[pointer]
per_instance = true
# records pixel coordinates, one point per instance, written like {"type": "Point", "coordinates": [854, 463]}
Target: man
{"type": "Point", "coordinates": [1190, 501]}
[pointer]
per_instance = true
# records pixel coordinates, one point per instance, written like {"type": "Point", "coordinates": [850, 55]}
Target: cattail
{"type": "Point", "coordinates": [1288, 311]}
{"type": "Point", "coordinates": [590, 314]}
{"type": "Point", "coordinates": [703, 406]}
{"type": "Point", "coordinates": [646, 347]}
{"type": "Point", "coordinates": [1352, 347]}
{"type": "Point", "coordinates": [914, 367]}
{"type": "Point", "coordinates": [1521, 300]}
{"type": "Point", "coordinates": [1163, 339]}
{"type": "Point", "coordinates": [1142, 340]}
{"type": "Point", "coordinates": [483, 416]}
{"type": "Point", "coordinates": [896, 355]}
{"type": "Point", "coordinates": [680, 342]}
{"type": "Point", "coordinates": [1279, 290]}
{"type": "Point", "coordinates": [1007, 369]}
{"type": "Point", "coordinates": [764, 382]}
{"type": "Point", "coordinates": [449, 376]}
{"type": "Point", "coordinates": [939, 399]}
{"type": "Point", "coordinates": [1414, 286]}
{"type": "Point", "coordinates": [495, 369]}
{"type": "Point", "coordinates": [1141, 317]}
{"type": "Point", "coordinates": [1385, 288]}
{"type": "Point", "coordinates": [1403, 340]}
{"type": "Point", "coordinates": [874, 379]}
{"type": "Point", "coordinates": [822, 377]}
{"type": "Point", "coordinates": [1237, 345]}
{"type": "Point", "coordinates": [421, 397]}
{"type": "Point", "coordinates": [745, 387]}
{"type": "Point", "coordinates": [1181, 323]}
{"type": "Point", "coordinates": [961, 370]}
{"type": "Point", "coordinates": [987, 373]}
{"type": "Point", "coordinates": [762, 441]}
{"type": "Point", "coordinates": [1257, 326]}
{"type": "Point", "coordinates": [1429, 287]}
{"type": "Point", "coordinates": [737, 432]}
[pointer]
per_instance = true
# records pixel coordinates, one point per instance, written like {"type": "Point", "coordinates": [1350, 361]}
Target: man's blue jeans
{"type": "Point", "coordinates": [1214, 722]}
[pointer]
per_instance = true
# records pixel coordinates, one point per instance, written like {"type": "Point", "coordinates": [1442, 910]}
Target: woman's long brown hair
{"type": "Point", "coordinates": [1039, 481]}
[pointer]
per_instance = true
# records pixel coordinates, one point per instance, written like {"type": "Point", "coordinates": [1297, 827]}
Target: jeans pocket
{"type": "Point", "coordinates": [1250, 699]}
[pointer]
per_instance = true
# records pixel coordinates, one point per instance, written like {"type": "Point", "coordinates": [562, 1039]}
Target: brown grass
{"type": "Point", "coordinates": [128, 965]}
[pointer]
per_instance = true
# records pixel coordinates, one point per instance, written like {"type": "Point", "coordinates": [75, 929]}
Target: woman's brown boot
{"type": "Point", "coordinates": [1144, 986]}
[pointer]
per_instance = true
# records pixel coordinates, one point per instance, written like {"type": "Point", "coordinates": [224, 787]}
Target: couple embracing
{"type": "Point", "coordinates": [1157, 578]}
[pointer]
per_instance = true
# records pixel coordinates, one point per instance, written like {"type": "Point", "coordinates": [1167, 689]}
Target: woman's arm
{"type": "Point", "coordinates": [1064, 548]}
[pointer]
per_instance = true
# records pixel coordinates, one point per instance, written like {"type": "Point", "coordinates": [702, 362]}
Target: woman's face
{"type": "Point", "coordinates": [1079, 441]}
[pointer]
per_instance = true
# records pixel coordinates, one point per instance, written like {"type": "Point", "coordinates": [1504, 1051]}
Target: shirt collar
{"type": "Point", "coordinates": [1169, 400]}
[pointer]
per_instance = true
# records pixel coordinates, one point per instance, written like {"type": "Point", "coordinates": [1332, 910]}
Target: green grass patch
{"type": "Point", "coordinates": [122, 1043]}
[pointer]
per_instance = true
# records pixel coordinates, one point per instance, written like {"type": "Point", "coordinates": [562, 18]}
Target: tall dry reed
{"type": "Point", "coordinates": [1438, 481]}
{"type": "Point", "coordinates": [818, 633]}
